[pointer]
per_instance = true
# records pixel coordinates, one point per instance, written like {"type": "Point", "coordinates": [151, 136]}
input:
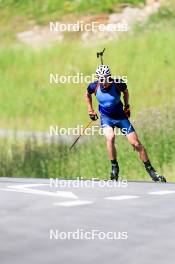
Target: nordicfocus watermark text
{"type": "Point", "coordinates": [81, 234]}
{"type": "Point", "coordinates": [93, 26]}
{"type": "Point", "coordinates": [90, 131]}
{"type": "Point", "coordinates": [81, 183]}
{"type": "Point", "coordinates": [55, 78]}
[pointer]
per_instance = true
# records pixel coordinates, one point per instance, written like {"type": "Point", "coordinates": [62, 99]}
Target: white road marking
{"type": "Point", "coordinates": [122, 197]}
{"type": "Point", "coordinates": [164, 192]}
{"type": "Point", "coordinates": [28, 185]}
{"type": "Point", "coordinates": [27, 189]}
{"type": "Point", "coordinates": [73, 203]}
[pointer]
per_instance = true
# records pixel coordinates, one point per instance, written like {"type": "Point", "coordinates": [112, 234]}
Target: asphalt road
{"type": "Point", "coordinates": [40, 222]}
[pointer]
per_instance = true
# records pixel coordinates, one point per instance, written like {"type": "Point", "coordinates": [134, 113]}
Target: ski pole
{"type": "Point", "coordinates": [81, 134]}
{"type": "Point", "coordinates": [100, 54]}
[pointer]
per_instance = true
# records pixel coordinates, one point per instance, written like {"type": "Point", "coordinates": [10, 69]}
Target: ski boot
{"type": "Point", "coordinates": [114, 172]}
{"type": "Point", "coordinates": [154, 175]}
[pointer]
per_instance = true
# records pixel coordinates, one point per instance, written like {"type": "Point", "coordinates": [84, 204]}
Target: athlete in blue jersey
{"type": "Point", "coordinates": [114, 114]}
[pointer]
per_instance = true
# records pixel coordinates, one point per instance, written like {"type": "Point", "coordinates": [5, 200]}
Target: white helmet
{"type": "Point", "coordinates": [103, 70]}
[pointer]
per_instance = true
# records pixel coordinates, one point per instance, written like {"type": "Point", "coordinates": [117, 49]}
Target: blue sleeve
{"type": "Point", "coordinates": [91, 88]}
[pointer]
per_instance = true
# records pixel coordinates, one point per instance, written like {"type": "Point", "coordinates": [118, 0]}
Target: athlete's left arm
{"type": "Point", "coordinates": [123, 89]}
{"type": "Point", "coordinates": [126, 103]}
{"type": "Point", "coordinates": [126, 97]}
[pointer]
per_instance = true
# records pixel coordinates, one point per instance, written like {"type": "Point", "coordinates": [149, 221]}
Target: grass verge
{"type": "Point", "coordinates": [89, 160]}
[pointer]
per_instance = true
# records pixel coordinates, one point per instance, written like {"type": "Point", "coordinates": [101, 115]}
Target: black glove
{"type": "Point", "coordinates": [93, 116]}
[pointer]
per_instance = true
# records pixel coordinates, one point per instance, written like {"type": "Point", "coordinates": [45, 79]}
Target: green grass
{"type": "Point", "coordinates": [89, 160]}
{"type": "Point", "coordinates": [20, 15]}
{"type": "Point", "coordinates": [44, 10]}
{"type": "Point", "coordinates": [29, 102]}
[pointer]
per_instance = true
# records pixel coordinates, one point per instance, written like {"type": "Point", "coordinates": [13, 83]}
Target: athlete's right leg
{"type": "Point", "coordinates": [110, 143]}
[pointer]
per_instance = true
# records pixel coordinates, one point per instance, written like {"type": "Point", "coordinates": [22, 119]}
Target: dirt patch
{"type": "Point", "coordinates": [39, 36]}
